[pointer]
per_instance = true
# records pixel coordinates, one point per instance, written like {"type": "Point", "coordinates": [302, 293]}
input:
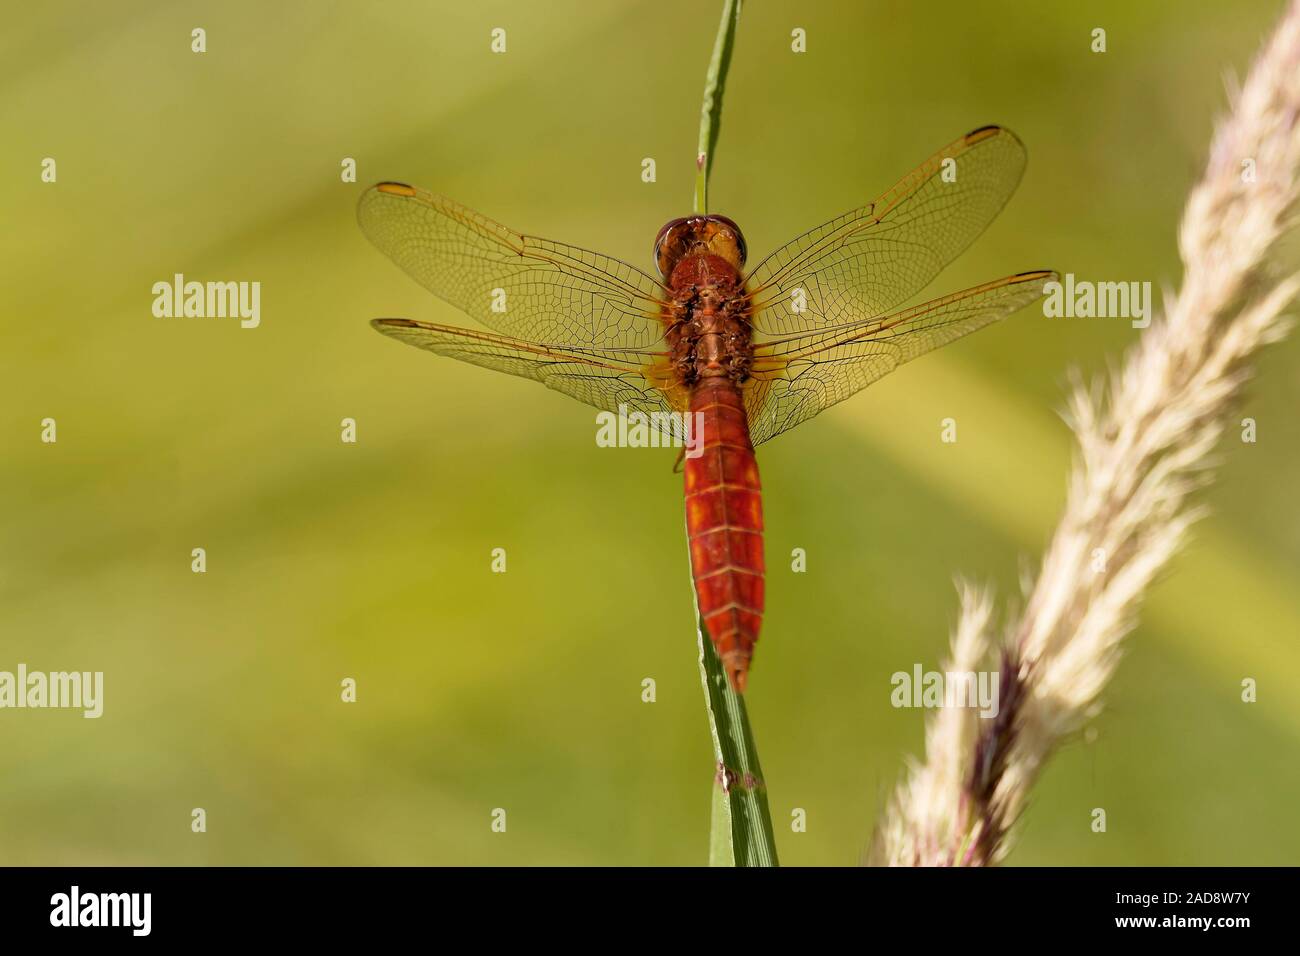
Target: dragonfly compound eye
{"type": "Point", "coordinates": [736, 236]}
{"type": "Point", "coordinates": [668, 247]}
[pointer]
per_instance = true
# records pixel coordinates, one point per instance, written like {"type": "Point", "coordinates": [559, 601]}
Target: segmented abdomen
{"type": "Point", "coordinates": [724, 521]}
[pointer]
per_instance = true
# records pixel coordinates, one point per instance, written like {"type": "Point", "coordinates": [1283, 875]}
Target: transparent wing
{"type": "Point", "coordinates": [795, 377]}
{"type": "Point", "coordinates": [603, 378]}
{"type": "Point", "coordinates": [535, 289]}
{"type": "Point", "coordinates": [871, 260]}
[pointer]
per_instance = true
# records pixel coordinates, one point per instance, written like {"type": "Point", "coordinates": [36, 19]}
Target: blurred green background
{"type": "Point", "coordinates": [522, 691]}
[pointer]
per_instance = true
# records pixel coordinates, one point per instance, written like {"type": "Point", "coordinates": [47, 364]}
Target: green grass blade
{"type": "Point", "coordinates": [740, 832]}
{"type": "Point", "coordinates": [711, 113]}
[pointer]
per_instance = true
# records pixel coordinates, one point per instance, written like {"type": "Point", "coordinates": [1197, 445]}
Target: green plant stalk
{"type": "Point", "coordinates": [740, 832]}
{"type": "Point", "coordinates": [711, 113]}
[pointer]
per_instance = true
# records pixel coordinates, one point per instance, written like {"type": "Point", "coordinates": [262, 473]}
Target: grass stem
{"type": "Point", "coordinates": [740, 833]}
{"type": "Point", "coordinates": [711, 113]}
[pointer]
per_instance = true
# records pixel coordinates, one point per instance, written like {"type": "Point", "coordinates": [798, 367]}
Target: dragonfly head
{"type": "Point", "coordinates": [695, 236]}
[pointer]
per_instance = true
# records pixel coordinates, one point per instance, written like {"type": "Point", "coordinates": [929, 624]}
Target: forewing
{"type": "Point", "coordinates": [869, 261]}
{"type": "Point", "coordinates": [795, 377]}
{"type": "Point", "coordinates": [534, 289]}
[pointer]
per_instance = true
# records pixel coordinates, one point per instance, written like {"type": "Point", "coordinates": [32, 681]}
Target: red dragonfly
{"type": "Point", "coordinates": [753, 352]}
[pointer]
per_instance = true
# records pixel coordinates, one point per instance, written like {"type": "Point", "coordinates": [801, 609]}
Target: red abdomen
{"type": "Point", "coordinates": [724, 521]}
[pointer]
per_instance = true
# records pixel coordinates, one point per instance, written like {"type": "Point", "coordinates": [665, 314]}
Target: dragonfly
{"type": "Point", "coordinates": [749, 352]}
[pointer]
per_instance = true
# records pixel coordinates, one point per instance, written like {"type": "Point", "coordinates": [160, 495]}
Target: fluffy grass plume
{"type": "Point", "coordinates": [1146, 434]}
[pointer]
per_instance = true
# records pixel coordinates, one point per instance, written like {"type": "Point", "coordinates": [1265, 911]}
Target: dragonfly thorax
{"type": "Point", "coordinates": [709, 329]}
